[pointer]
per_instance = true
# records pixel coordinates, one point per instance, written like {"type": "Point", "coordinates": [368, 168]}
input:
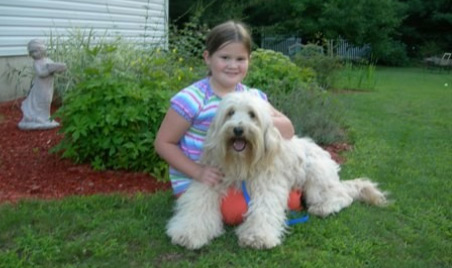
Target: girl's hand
{"type": "Point", "coordinates": [209, 175]}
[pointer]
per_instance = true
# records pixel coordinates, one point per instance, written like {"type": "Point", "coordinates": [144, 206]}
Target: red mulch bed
{"type": "Point", "coordinates": [29, 171]}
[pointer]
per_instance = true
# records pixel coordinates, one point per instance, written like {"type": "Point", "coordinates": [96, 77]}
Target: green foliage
{"type": "Point", "coordinates": [111, 115]}
{"type": "Point", "coordinates": [415, 23]}
{"type": "Point", "coordinates": [207, 12]}
{"type": "Point", "coordinates": [292, 90]}
{"type": "Point", "coordinates": [391, 52]}
{"type": "Point", "coordinates": [360, 22]}
{"type": "Point", "coordinates": [314, 113]}
{"type": "Point", "coordinates": [111, 121]}
{"type": "Point", "coordinates": [189, 39]}
{"type": "Point", "coordinates": [74, 51]}
{"type": "Point", "coordinates": [269, 68]}
{"type": "Point", "coordinates": [430, 49]}
{"type": "Point", "coordinates": [357, 76]}
{"type": "Point", "coordinates": [374, 22]}
{"type": "Point", "coordinates": [325, 67]}
{"type": "Point", "coordinates": [426, 27]}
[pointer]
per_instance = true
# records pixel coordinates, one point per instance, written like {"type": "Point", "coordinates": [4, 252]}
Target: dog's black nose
{"type": "Point", "coordinates": [238, 131]}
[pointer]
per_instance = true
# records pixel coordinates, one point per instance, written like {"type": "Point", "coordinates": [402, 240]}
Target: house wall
{"type": "Point", "coordinates": [144, 21]}
{"type": "Point", "coordinates": [11, 87]}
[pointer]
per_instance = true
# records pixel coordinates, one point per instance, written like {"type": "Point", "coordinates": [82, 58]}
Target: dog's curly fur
{"type": "Point", "coordinates": [246, 146]}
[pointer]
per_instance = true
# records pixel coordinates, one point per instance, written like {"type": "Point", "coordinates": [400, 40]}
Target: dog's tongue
{"type": "Point", "coordinates": [239, 145]}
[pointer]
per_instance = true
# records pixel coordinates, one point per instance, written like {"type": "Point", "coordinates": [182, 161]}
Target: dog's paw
{"type": "Point", "coordinates": [187, 240]}
{"type": "Point", "coordinates": [192, 236]}
{"type": "Point", "coordinates": [258, 241]}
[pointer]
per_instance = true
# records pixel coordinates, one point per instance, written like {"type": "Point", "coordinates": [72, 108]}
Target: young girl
{"type": "Point", "coordinates": [181, 135]}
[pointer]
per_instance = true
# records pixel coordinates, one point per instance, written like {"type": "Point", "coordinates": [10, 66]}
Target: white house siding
{"type": "Point", "coordinates": [145, 21]}
{"type": "Point", "coordinates": [23, 20]}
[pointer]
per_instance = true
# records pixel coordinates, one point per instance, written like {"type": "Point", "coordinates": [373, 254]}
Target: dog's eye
{"type": "Point", "coordinates": [252, 114]}
{"type": "Point", "coordinates": [231, 113]}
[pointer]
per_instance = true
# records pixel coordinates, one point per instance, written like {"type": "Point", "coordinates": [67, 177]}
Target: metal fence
{"type": "Point", "coordinates": [289, 46]}
{"type": "Point", "coordinates": [286, 45]}
{"type": "Point", "coordinates": [347, 51]}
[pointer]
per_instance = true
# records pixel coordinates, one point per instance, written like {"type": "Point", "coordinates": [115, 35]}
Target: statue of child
{"type": "Point", "coordinates": [36, 107]}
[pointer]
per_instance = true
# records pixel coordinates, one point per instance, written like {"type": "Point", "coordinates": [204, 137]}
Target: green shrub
{"type": "Point", "coordinates": [111, 116]}
{"type": "Point", "coordinates": [292, 90]}
{"type": "Point", "coordinates": [188, 40]}
{"type": "Point", "coordinates": [74, 51]}
{"type": "Point", "coordinates": [269, 68]}
{"type": "Point", "coordinates": [325, 67]}
{"type": "Point", "coordinates": [314, 113]}
{"type": "Point", "coordinates": [86, 49]}
{"type": "Point", "coordinates": [391, 52]}
{"type": "Point", "coordinates": [111, 121]}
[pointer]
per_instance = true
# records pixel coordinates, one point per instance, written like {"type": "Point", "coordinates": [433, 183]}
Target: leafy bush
{"type": "Point", "coordinates": [86, 49]}
{"type": "Point", "coordinates": [188, 40]}
{"type": "Point", "coordinates": [292, 90]}
{"type": "Point", "coordinates": [391, 53]}
{"type": "Point", "coordinates": [325, 67]}
{"type": "Point", "coordinates": [111, 116]}
{"type": "Point", "coordinates": [74, 51]}
{"type": "Point", "coordinates": [269, 67]}
{"type": "Point", "coordinates": [111, 122]}
{"type": "Point", "coordinates": [314, 113]}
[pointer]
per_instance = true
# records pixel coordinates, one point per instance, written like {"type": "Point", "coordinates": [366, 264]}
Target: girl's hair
{"type": "Point", "coordinates": [227, 32]}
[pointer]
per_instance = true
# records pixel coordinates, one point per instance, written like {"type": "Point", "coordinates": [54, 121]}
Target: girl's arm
{"type": "Point", "coordinates": [283, 124]}
{"type": "Point", "coordinates": [171, 130]}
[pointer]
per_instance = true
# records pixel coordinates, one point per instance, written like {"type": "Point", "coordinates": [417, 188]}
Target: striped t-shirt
{"type": "Point", "coordinates": [198, 105]}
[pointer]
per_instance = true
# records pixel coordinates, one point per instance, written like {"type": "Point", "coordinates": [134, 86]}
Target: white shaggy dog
{"type": "Point", "coordinates": [245, 145]}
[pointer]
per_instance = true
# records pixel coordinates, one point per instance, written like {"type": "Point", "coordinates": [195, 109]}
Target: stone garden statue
{"type": "Point", "coordinates": [36, 107]}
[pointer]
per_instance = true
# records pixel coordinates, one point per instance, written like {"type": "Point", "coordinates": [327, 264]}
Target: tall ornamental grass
{"type": "Point", "coordinates": [358, 75]}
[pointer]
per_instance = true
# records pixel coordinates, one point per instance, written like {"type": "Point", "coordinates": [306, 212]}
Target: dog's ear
{"type": "Point", "coordinates": [213, 149]}
{"type": "Point", "coordinates": [209, 144]}
{"type": "Point", "coordinates": [213, 130]}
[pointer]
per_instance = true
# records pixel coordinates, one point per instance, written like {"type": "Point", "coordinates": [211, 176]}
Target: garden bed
{"type": "Point", "coordinates": [29, 171]}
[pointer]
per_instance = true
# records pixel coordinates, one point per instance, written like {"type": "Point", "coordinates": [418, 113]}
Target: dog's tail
{"type": "Point", "coordinates": [362, 189]}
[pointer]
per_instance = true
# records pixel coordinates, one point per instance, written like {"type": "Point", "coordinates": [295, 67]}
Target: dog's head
{"type": "Point", "coordinates": [242, 131]}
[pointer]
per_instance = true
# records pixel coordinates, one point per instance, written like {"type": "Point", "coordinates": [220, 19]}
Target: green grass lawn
{"type": "Point", "coordinates": [402, 139]}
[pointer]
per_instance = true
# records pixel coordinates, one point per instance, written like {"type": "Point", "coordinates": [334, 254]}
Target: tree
{"type": "Point", "coordinates": [391, 27]}
{"type": "Point", "coordinates": [427, 28]}
{"type": "Point", "coordinates": [371, 22]}
{"type": "Point", "coordinates": [364, 21]}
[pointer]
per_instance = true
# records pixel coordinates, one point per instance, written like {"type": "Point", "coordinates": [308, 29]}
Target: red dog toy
{"type": "Point", "coordinates": [234, 206]}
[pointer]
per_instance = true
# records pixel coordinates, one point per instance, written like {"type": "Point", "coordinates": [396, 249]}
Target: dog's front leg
{"type": "Point", "coordinates": [264, 223]}
{"type": "Point", "coordinates": [197, 218]}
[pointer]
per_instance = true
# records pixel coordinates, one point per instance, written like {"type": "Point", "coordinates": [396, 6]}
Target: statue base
{"type": "Point", "coordinates": [38, 126]}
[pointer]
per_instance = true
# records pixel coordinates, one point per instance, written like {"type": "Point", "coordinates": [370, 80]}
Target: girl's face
{"type": "Point", "coordinates": [228, 66]}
